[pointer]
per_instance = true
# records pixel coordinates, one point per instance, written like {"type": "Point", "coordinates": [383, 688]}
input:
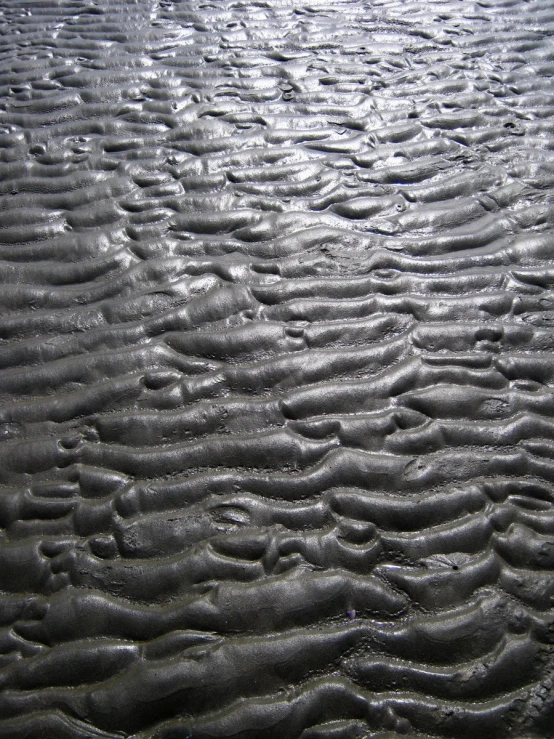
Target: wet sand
{"type": "Point", "coordinates": [276, 369]}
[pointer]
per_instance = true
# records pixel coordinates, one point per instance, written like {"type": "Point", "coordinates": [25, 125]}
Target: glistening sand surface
{"type": "Point", "coordinates": [276, 369]}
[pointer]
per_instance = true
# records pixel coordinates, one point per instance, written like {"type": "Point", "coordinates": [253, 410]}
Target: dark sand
{"type": "Point", "coordinates": [276, 369]}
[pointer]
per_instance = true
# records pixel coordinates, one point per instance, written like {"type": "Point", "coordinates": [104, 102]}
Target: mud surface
{"type": "Point", "coordinates": [276, 369]}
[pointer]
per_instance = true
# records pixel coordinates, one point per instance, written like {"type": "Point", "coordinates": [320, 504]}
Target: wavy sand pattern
{"type": "Point", "coordinates": [276, 369]}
